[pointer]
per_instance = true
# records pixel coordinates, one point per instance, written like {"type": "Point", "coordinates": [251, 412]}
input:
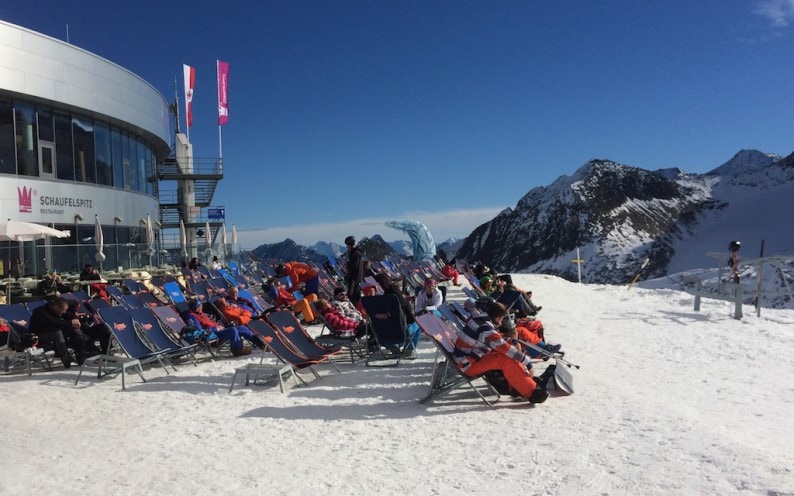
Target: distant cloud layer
{"type": "Point", "coordinates": [780, 13]}
{"type": "Point", "coordinates": [442, 225]}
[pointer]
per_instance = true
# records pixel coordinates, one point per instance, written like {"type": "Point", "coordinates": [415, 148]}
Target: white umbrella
{"type": "Point", "coordinates": [208, 238]}
{"type": "Point", "coordinates": [234, 240]}
{"type": "Point", "coordinates": [223, 241]}
{"type": "Point", "coordinates": [15, 230]}
{"type": "Point", "coordinates": [149, 238]}
{"type": "Point", "coordinates": [182, 239]}
{"type": "Point", "coordinates": [99, 242]}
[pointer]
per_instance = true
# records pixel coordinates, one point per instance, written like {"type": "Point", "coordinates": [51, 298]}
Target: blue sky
{"type": "Point", "coordinates": [345, 114]}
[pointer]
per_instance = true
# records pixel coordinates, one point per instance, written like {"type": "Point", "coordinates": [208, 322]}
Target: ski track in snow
{"type": "Point", "coordinates": [668, 401]}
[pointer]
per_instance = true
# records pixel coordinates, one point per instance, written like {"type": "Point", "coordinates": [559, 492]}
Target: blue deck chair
{"type": "Point", "coordinates": [131, 301]}
{"type": "Point", "coordinates": [337, 268]}
{"type": "Point", "coordinates": [18, 317]}
{"type": "Point", "coordinates": [80, 294]}
{"type": "Point", "coordinates": [152, 329]}
{"type": "Point", "coordinates": [149, 299]}
{"type": "Point", "coordinates": [446, 377]}
{"type": "Point", "coordinates": [469, 293]}
{"type": "Point", "coordinates": [275, 343]}
{"type": "Point", "coordinates": [174, 292]}
{"type": "Point", "coordinates": [115, 293]}
{"type": "Point", "coordinates": [234, 268]}
{"type": "Point", "coordinates": [449, 315]}
{"type": "Point", "coordinates": [122, 326]}
{"type": "Point", "coordinates": [173, 323]}
{"type": "Point", "coordinates": [34, 304]}
{"type": "Point", "coordinates": [388, 325]}
{"type": "Point", "coordinates": [296, 336]}
{"type": "Point", "coordinates": [134, 287]}
{"type": "Point", "coordinates": [260, 305]}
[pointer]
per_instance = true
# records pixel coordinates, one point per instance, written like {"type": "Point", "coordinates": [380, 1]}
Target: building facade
{"type": "Point", "coordinates": [80, 140]}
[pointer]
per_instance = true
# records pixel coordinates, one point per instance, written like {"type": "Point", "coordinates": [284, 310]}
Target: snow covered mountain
{"type": "Point", "coordinates": [617, 215]}
{"type": "Point", "coordinates": [327, 249]}
{"type": "Point", "coordinates": [403, 247]}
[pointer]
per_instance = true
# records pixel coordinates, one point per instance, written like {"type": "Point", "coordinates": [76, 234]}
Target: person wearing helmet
{"type": "Point", "coordinates": [354, 270]}
{"type": "Point", "coordinates": [481, 348]}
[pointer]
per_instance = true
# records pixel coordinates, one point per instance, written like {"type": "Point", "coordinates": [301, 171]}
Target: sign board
{"type": "Point", "coordinates": [216, 213]}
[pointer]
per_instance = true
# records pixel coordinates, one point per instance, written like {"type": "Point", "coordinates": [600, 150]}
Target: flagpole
{"type": "Point", "coordinates": [220, 133]}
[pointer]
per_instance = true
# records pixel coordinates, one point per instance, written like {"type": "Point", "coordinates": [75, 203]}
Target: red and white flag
{"type": "Point", "coordinates": [190, 80]}
{"type": "Point", "coordinates": [223, 93]}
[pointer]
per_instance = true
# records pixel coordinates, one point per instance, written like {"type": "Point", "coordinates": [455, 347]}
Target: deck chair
{"type": "Point", "coordinates": [153, 330]}
{"type": "Point", "coordinates": [115, 293]}
{"type": "Point", "coordinates": [131, 301]}
{"type": "Point", "coordinates": [470, 293]}
{"type": "Point", "coordinates": [296, 336]}
{"type": "Point", "coordinates": [446, 377]}
{"type": "Point", "coordinates": [175, 294]}
{"type": "Point", "coordinates": [122, 326]}
{"type": "Point", "coordinates": [14, 352]}
{"type": "Point", "coordinates": [32, 305]}
{"type": "Point", "coordinates": [356, 346]}
{"type": "Point", "coordinates": [173, 323]}
{"type": "Point", "coordinates": [450, 316]}
{"type": "Point", "coordinates": [134, 287]}
{"type": "Point", "coordinates": [388, 325]}
{"type": "Point", "coordinates": [276, 344]}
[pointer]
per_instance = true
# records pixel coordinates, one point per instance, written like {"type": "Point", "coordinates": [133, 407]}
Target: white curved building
{"type": "Point", "coordinates": [80, 138]}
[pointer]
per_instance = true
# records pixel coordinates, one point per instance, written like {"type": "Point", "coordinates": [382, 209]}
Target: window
{"type": "Point", "coordinates": [104, 167]}
{"type": "Point", "coordinates": [46, 128]}
{"type": "Point", "coordinates": [149, 170]}
{"type": "Point", "coordinates": [125, 157]}
{"type": "Point", "coordinates": [141, 165]}
{"type": "Point", "coordinates": [8, 154]}
{"type": "Point", "coordinates": [27, 149]}
{"type": "Point", "coordinates": [118, 169]}
{"type": "Point", "coordinates": [85, 166]}
{"type": "Point", "coordinates": [64, 151]}
{"type": "Point", "coordinates": [136, 177]}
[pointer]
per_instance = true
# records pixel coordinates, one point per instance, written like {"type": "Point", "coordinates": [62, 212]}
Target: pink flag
{"type": "Point", "coordinates": [190, 79]}
{"type": "Point", "coordinates": [223, 93]}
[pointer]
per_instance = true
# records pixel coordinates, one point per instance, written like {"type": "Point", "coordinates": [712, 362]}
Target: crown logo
{"type": "Point", "coordinates": [25, 196]}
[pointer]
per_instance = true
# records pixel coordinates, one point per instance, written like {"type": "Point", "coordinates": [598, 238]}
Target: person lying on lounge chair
{"type": "Point", "coordinates": [338, 323]}
{"type": "Point", "coordinates": [429, 298]}
{"type": "Point", "coordinates": [345, 307]}
{"type": "Point", "coordinates": [234, 313]}
{"type": "Point", "coordinates": [233, 297]}
{"type": "Point", "coordinates": [484, 349]}
{"type": "Point", "coordinates": [196, 317]}
{"type": "Point", "coordinates": [524, 305]}
{"type": "Point", "coordinates": [283, 298]}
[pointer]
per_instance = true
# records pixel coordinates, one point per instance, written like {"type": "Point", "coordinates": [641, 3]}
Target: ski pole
{"type": "Point", "coordinates": [547, 353]}
{"type": "Point", "coordinates": [642, 267]}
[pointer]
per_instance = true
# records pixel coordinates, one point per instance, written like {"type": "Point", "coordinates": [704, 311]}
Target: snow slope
{"type": "Point", "coordinates": [668, 402]}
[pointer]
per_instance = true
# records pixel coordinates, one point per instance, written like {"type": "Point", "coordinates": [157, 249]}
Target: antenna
{"type": "Point", "coordinates": [67, 33]}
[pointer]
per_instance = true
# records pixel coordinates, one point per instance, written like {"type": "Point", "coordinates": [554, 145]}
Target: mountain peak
{"type": "Point", "coordinates": [745, 161]}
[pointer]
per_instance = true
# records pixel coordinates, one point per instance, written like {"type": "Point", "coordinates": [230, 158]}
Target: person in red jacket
{"type": "Point", "coordinates": [451, 272]}
{"type": "Point", "coordinates": [338, 323]}
{"type": "Point", "coordinates": [300, 273]}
